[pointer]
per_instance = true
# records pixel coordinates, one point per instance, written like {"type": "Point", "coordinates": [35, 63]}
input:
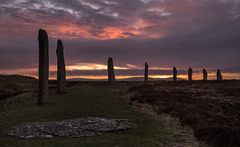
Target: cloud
{"type": "Point", "coordinates": [105, 19]}
{"type": "Point", "coordinates": [166, 33]}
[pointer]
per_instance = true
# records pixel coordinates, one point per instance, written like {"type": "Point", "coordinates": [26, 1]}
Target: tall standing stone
{"type": "Point", "coordinates": [219, 75]}
{"type": "Point", "coordinates": [174, 74]}
{"type": "Point", "coordinates": [43, 66]}
{"type": "Point", "coordinates": [61, 70]}
{"type": "Point", "coordinates": [205, 75]}
{"type": "Point", "coordinates": [146, 73]}
{"type": "Point", "coordinates": [111, 74]}
{"type": "Point", "coordinates": [190, 72]}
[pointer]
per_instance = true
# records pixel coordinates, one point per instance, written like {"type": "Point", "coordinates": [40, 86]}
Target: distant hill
{"type": "Point", "coordinates": [150, 79]}
{"type": "Point", "coordinates": [26, 79]}
{"type": "Point", "coordinates": [126, 79]}
{"type": "Point", "coordinates": [83, 79]}
{"type": "Point", "coordinates": [11, 85]}
{"type": "Point", "coordinates": [16, 78]}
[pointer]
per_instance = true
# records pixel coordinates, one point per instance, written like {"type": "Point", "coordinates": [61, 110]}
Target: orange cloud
{"type": "Point", "coordinates": [91, 66]}
{"type": "Point", "coordinates": [69, 31]}
{"type": "Point", "coordinates": [73, 31]}
{"type": "Point", "coordinates": [113, 33]}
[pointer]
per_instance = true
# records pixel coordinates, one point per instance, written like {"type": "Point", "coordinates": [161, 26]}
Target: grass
{"type": "Point", "coordinates": [84, 100]}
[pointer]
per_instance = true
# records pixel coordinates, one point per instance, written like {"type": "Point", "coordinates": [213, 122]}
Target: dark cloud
{"type": "Point", "coordinates": [183, 33]}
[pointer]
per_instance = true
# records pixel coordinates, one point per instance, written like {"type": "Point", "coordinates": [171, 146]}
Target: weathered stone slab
{"type": "Point", "coordinates": [205, 75]}
{"type": "Point", "coordinates": [190, 73]}
{"type": "Point", "coordinates": [43, 66]}
{"type": "Point", "coordinates": [174, 74]}
{"type": "Point", "coordinates": [146, 72]}
{"type": "Point", "coordinates": [61, 70]}
{"type": "Point", "coordinates": [219, 75]}
{"type": "Point", "coordinates": [111, 73]}
{"type": "Point", "coordinates": [80, 127]}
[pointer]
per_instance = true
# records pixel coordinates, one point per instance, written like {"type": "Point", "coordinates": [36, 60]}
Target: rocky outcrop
{"type": "Point", "coordinates": [111, 74]}
{"type": "Point", "coordinates": [174, 74]}
{"type": "Point", "coordinates": [80, 127]}
{"type": "Point", "coordinates": [43, 66]}
{"type": "Point", "coordinates": [205, 75]}
{"type": "Point", "coordinates": [146, 73]}
{"type": "Point", "coordinates": [61, 70]}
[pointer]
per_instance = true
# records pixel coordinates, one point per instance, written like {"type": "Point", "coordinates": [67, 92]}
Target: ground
{"type": "Point", "coordinates": [85, 99]}
{"type": "Point", "coordinates": [211, 108]}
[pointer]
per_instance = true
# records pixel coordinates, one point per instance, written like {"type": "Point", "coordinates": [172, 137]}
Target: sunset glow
{"type": "Point", "coordinates": [71, 31]}
{"type": "Point", "coordinates": [186, 33]}
{"type": "Point", "coordinates": [98, 67]}
{"type": "Point", "coordinates": [91, 66]}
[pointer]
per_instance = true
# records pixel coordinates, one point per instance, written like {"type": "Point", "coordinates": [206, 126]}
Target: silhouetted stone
{"type": "Point", "coordinates": [205, 75]}
{"type": "Point", "coordinates": [111, 74]}
{"type": "Point", "coordinates": [219, 75]}
{"type": "Point", "coordinates": [61, 70]}
{"type": "Point", "coordinates": [146, 72]}
{"type": "Point", "coordinates": [190, 72]}
{"type": "Point", "coordinates": [174, 74]}
{"type": "Point", "coordinates": [43, 66]}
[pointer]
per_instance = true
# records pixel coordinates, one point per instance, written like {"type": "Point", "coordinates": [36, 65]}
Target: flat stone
{"type": "Point", "coordinates": [80, 127]}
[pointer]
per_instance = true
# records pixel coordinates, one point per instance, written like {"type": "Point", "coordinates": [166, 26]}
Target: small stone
{"type": "Point", "coordinates": [27, 137]}
{"type": "Point", "coordinates": [48, 136]}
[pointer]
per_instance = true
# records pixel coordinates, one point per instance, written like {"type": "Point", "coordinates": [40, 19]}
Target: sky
{"type": "Point", "coordinates": [164, 33]}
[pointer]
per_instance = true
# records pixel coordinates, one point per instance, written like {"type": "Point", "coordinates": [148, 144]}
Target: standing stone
{"type": "Point", "coordinates": [111, 74]}
{"type": "Point", "coordinates": [190, 72]}
{"type": "Point", "coordinates": [61, 70]}
{"type": "Point", "coordinates": [174, 74]}
{"type": "Point", "coordinates": [43, 66]}
{"type": "Point", "coordinates": [219, 75]}
{"type": "Point", "coordinates": [146, 73]}
{"type": "Point", "coordinates": [205, 75]}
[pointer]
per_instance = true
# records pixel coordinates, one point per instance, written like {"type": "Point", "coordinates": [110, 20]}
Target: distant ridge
{"type": "Point", "coordinates": [16, 77]}
{"type": "Point", "coordinates": [126, 79]}
{"type": "Point", "coordinates": [84, 79]}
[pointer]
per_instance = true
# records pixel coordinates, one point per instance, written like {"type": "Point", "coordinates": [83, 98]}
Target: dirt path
{"type": "Point", "coordinates": [180, 136]}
